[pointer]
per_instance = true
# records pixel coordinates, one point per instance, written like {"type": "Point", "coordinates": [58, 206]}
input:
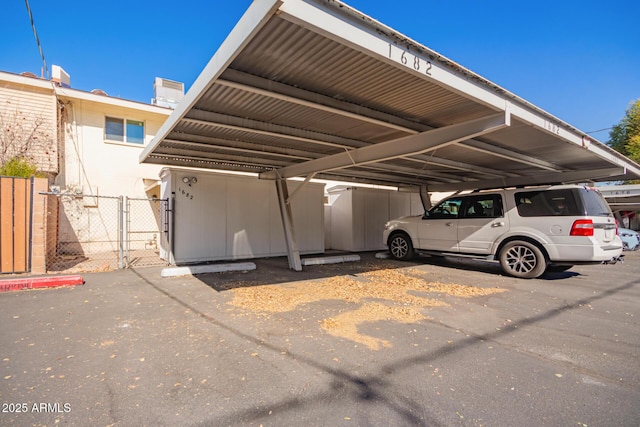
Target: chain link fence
{"type": "Point", "coordinates": [146, 219]}
{"type": "Point", "coordinates": [103, 233]}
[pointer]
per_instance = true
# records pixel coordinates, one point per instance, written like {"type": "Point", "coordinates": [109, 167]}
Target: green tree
{"type": "Point", "coordinates": [625, 136]}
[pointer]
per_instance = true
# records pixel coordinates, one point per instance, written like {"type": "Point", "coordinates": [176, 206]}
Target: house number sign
{"type": "Point", "coordinates": [185, 193]}
{"type": "Point", "coordinates": [409, 59]}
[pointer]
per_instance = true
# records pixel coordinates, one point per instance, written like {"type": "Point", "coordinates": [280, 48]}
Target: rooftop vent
{"type": "Point", "coordinates": [99, 92]}
{"type": "Point", "coordinates": [168, 93]}
{"type": "Point", "coordinates": [60, 77]}
{"type": "Point", "coordinates": [29, 74]}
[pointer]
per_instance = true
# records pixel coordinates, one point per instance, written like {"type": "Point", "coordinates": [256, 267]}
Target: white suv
{"type": "Point", "coordinates": [529, 230]}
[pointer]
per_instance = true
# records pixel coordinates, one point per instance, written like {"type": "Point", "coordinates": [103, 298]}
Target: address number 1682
{"type": "Point", "coordinates": [410, 60]}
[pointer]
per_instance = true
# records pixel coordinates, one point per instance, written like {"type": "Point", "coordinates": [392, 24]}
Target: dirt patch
{"type": "Point", "coordinates": [390, 294]}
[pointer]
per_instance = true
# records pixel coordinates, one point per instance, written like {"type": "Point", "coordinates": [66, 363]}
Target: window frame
{"type": "Point", "coordinates": [127, 139]}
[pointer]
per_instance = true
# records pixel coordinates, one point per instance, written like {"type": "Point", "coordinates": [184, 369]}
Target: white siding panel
{"type": "Point", "coordinates": [30, 113]}
{"type": "Point", "coordinates": [248, 228]}
{"type": "Point", "coordinates": [308, 212]}
{"type": "Point", "coordinates": [358, 216]}
{"type": "Point", "coordinates": [327, 226]}
{"type": "Point", "coordinates": [226, 217]}
{"type": "Point", "coordinates": [342, 222]}
{"type": "Point", "coordinates": [200, 218]}
{"type": "Point", "coordinates": [376, 215]}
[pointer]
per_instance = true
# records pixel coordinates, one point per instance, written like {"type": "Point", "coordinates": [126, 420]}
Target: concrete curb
{"type": "Point", "coordinates": [383, 255]}
{"type": "Point", "coordinates": [39, 282]}
{"type": "Point", "coordinates": [201, 269]}
{"type": "Point", "coordinates": [330, 259]}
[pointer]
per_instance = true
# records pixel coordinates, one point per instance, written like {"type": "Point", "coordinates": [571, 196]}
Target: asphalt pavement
{"type": "Point", "coordinates": [130, 348]}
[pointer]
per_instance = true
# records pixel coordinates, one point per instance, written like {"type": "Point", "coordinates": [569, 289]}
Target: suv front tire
{"type": "Point", "coordinates": [401, 247]}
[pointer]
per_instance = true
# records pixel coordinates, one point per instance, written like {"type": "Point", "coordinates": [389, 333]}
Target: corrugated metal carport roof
{"type": "Point", "coordinates": [315, 88]}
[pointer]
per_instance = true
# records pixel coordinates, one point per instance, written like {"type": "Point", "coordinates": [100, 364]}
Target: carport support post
{"type": "Point", "coordinates": [293, 254]}
{"type": "Point", "coordinates": [425, 198]}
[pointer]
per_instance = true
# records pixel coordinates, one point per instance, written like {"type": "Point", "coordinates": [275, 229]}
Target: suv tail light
{"type": "Point", "coordinates": [582, 227]}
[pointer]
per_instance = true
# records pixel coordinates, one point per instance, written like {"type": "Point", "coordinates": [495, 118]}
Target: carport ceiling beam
{"type": "Point", "coordinates": [309, 104]}
{"type": "Point", "coordinates": [547, 178]}
{"type": "Point", "coordinates": [260, 128]}
{"type": "Point", "coordinates": [220, 158]}
{"type": "Point", "coordinates": [418, 173]}
{"type": "Point", "coordinates": [268, 88]}
{"type": "Point", "coordinates": [428, 159]}
{"type": "Point", "coordinates": [473, 145]}
{"type": "Point", "coordinates": [510, 155]}
{"type": "Point", "coordinates": [204, 144]}
{"type": "Point", "coordinates": [301, 97]}
{"type": "Point", "coordinates": [295, 95]}
{"type": "Point", "coordinates": [367, 176]}
{"type": "Point", "coordinates": [406, 146]}
{"type": "Point", "coordinates": [207, 118]}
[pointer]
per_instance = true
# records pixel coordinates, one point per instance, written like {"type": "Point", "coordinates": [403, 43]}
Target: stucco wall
{"type": "Point", "coordinates": [94, 165]}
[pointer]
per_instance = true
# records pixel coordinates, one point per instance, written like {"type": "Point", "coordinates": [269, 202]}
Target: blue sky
{"type": "Point", "coordinates": [578, 60]}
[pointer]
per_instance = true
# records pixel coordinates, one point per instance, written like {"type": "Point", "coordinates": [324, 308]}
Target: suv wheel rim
{"type": "Point", "coordinates": [399, 247]}
{"type": "Point", "coordinates": [521, 259]}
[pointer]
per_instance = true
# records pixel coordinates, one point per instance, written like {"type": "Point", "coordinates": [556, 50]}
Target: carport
{"type": "Point", "coordinates": [622, 197]}
{"type": "Point", "coordinates": [316, 89]}
{"type": "Point", "coordinates": [624, 201]}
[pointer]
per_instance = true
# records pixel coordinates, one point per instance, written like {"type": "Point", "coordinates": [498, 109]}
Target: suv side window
{"type": "Point", "coordinates": [448, 209]}
{"type": "Point", "coordinates": [483, 206]}
{"type": "Point", "coordinates": [547, 203]}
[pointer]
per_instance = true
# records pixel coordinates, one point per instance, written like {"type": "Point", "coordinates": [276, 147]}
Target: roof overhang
{"type": "Point", "coordinates": [314, 88]}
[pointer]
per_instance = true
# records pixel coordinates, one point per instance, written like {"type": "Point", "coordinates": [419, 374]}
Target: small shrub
{"type": "Point", "coordinates": [19, 167]}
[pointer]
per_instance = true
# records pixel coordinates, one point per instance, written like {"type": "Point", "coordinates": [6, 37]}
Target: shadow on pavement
{"type": "Point", "coordinates": [372, 388]}
{"type": "Point", "coordinates": [271, 271]}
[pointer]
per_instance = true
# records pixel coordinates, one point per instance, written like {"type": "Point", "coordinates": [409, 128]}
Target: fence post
{"type": "Point", "coordinates": [120, 233]}
{"type": "Point", "coordinates": [30, 243]}
{"type": "Point", "coordinates": [172, 232]}
{"type": "Point", "coordinates": [127, 225]}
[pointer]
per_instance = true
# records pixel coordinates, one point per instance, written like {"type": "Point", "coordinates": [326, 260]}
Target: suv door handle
{"type": "Point", "coordinates": [449, 224]}
{"type": "Point", "coordinates": [498, 224]}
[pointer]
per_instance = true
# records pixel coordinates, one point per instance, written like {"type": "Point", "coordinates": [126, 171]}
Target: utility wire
{"type": "Point", "coordinates": [599, 130]}
{"type": "Point", "coordinates": [35, 33]}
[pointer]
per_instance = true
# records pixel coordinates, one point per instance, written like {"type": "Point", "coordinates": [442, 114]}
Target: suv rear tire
{"type": "Point", "coordinates": [401, 247]}
{"type": "Point", "coordinates": [522, 259]}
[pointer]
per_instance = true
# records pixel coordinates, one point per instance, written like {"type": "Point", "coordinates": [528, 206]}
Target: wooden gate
{"type": "Point", "coordinates": [16, 207]}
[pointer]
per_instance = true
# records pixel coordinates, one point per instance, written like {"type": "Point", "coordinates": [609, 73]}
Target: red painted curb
{"type": "Point", "coordinates": [39, 282]}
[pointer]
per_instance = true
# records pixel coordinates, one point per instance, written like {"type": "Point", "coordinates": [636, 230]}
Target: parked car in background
{"type": "Point", "coordinates": [630, 239]}
{"type": "Point", "coordinates": [528, 230]}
